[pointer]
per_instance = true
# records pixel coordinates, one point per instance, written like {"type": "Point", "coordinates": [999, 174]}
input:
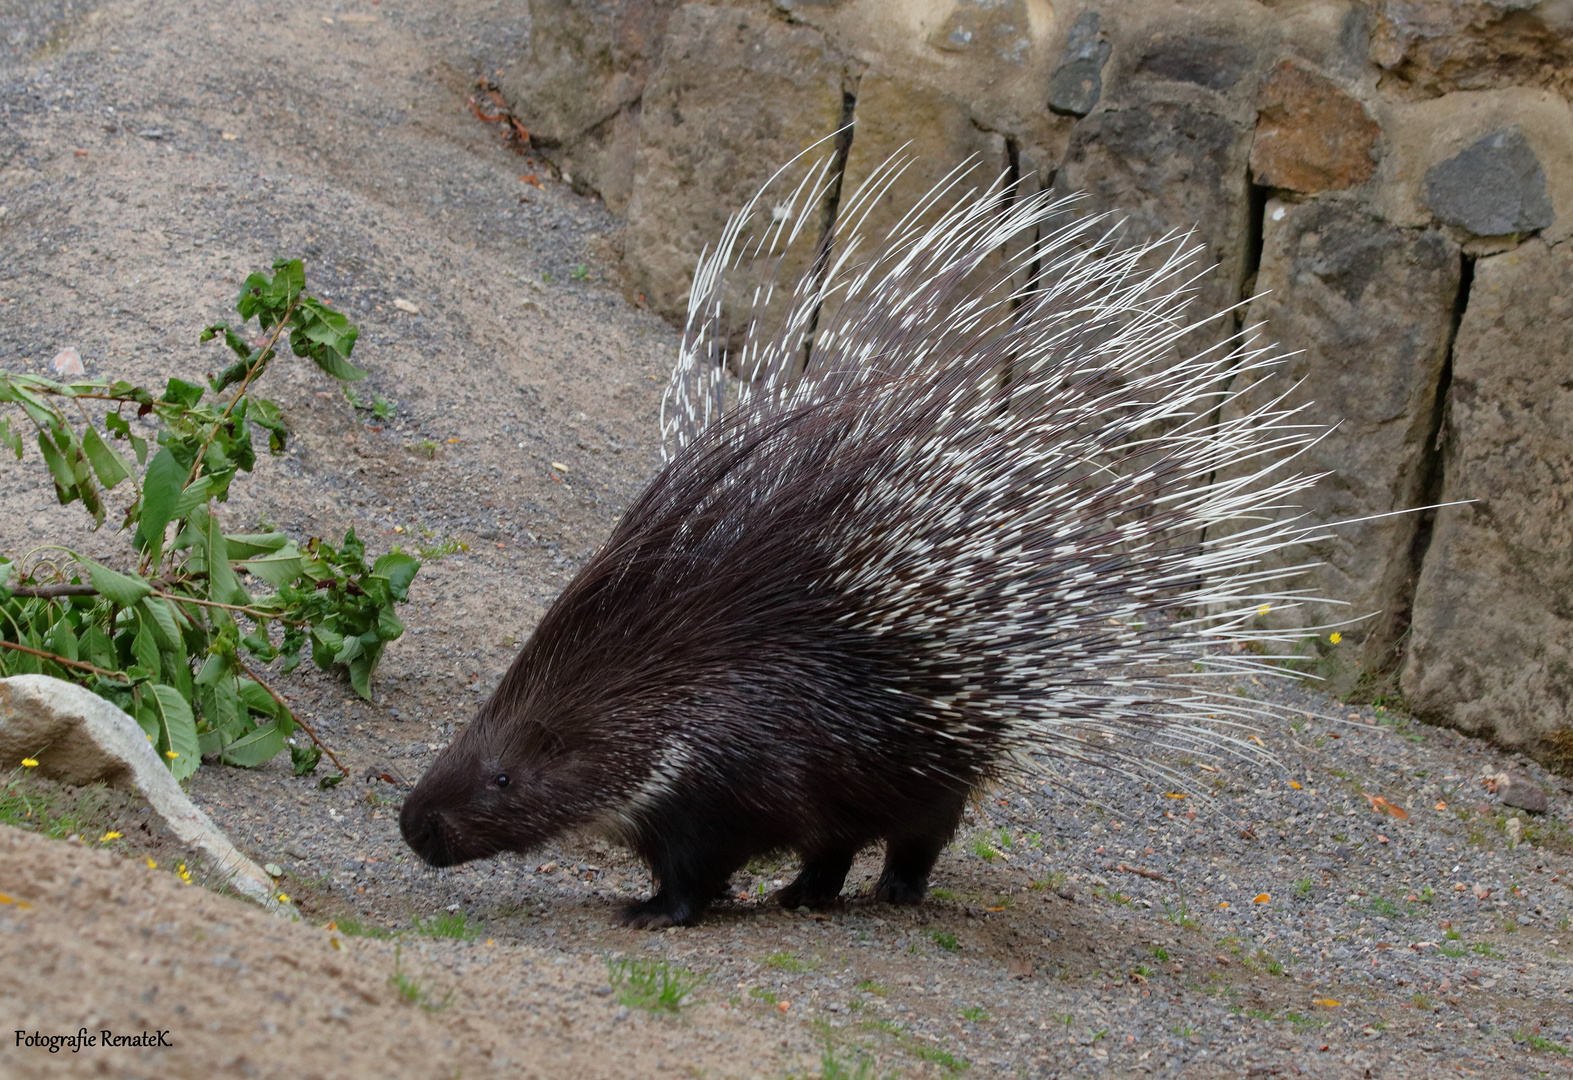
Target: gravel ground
{"type": "Point", "coordinates": [1096, 925]}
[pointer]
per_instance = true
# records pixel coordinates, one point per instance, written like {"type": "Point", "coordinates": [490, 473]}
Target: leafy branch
{"type": "Point", "coordinates": [169, 641]}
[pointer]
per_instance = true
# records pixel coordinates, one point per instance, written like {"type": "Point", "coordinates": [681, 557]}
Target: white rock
{"type": "Point", "coordinates": [404, 305]}
{"type": "Point", "coordinates": [67, 364]}
{"type": "Point", "coordinates": [79, 738]}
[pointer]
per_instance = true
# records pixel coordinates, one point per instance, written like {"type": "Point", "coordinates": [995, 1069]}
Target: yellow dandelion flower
{"type": "Point", "coordinates": [1264, 609]}
{"type": "Point", "coordinates": [107, 837]}
{"type": "Point", "coordinates": [151, 865]}
{"type": "Point", "coordinates": [283, 899]}
{"type": "Point", "coordinates": [1326, 1003]}
{"type": "Point", "coordinates": [29, 763]}
{"type": "Point", "coordinates": [172, 754]}
{"type": "Point", "coordinates": [1335, 637]}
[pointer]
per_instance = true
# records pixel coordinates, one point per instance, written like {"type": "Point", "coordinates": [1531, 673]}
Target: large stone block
{"type": "Point", "coordinates": [1366, 309]}
{"type": "Point", "coordinates": [1431, 47]}
{"type": "Point", "coordinates": [736, 95]}
{"type": "Point", "coordinates": [578, 88]}
{"type": "Point", "coordinates": [1310, 134]}
{"type": "Point", "coordinates": [1492, 649]}
{"type": "Point", "coordinates": [931, 129]}
{"type": "Point", "coordinates": [1168, 167]}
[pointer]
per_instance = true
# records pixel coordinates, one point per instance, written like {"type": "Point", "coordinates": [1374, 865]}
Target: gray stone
{"type": "Point", "coordinates": [1491, 649]}
{"type": "Point", "coordinates": [1366, 310]}
{"type": "Point", "coordinates": [1492, 188]}
{"type": "Point", "coordinates": [737, 94]}
{"type": "Point", "coordinates": [1520, 791]}
{"type": "Point", "coordinates": [79, 738]}
{"type": "Point", "coordinates": [1077, 83]}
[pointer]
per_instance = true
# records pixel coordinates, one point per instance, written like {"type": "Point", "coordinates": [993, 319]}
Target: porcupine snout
{"type": "Point", "coordinates": [426, 833]}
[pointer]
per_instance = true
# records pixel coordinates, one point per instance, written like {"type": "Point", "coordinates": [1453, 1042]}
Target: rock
{"type": "Point", "coordinates": [1494, 187]}
{"type": "Point", "coordinates": [1434, 151]}
{"type": "Point", "coordinates": [1433, 47]}
{"type": "Point", "coordinates": [79, 738]}
{"type": "Point", "coordinates": [1310, 135]}
{"type": "Point", "coordinates": [578, 88]}
{"type": "Point", "coordinates": [1213, 61]}
{"type": "Point", "coordinates": [67, 364]}
{"type": "Point", "coordinates": [1366, 309]}
{"type": "Point", "coordinates": [737, 94]}
{"type": "Point", "coordinates": [1491, 648]}
{"type": "Point", "coordinates": [1000, 26]}
{"type": "Point", "coordinates": [1077, 83]}
{"type": "Point", "coordinates": [1170, 166]}
{"type": "Point", "coordinates": [1520, 791]}
{"type": "Point", "coordinates": [931, 128]}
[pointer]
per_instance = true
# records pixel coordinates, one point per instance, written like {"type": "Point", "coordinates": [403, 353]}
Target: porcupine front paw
{"type": "Point", "coordinates": [662, 910]}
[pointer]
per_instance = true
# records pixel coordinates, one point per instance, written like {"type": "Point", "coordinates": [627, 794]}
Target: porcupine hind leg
{"type": "Point", "coordinates": [819, 883]}
{"type": "Point", "coordinates": [911, 854]}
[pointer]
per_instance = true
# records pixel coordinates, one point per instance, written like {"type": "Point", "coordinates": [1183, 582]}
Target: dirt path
{"type": "Point", "coordinates": [151, 155]}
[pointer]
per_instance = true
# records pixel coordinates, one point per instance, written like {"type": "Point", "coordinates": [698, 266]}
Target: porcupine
{"type": "Point", "coordinates": [947, 527]}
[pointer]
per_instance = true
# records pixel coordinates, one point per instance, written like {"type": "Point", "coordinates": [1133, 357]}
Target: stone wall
{"type": "Point", "coordinates": [1392, 183]}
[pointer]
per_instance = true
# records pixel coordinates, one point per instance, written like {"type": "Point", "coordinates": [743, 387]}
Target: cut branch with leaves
{"type": "Point", "coordinates": [169, 640]}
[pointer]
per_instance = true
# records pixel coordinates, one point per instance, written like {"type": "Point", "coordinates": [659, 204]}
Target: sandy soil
{"type": "Point", "coordinates": [151, 155]}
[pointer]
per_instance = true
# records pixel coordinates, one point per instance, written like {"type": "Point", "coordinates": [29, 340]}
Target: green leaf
{"type": "Point", "coordinates": [389, 626]}
{"type": "Point", "coordinates": [160, 492]}
{"type": "Point", "coordinates": [124, 589]}
{"type": "Point", "coordinates": [59, 467]}
{"type": "Point", "coordinates": [305, 759]}
{"type": "Point", "coordinates": [62, 639]}
{"type": "Point", "coordinates": [180, 730]}
{"type": "Point", "coordinates": [194, 495]}
{"type": "Point", "coordinates": [236, 343]}
{"type": "Point", "coordinates": [144, 648]}
{"type": "Point", "coordinates": [223, 586]}
{"type": "Point", "coordinates": [363, 667]}
{"type": "Point", "coordinates": [279, 569]}
{"type": "Point", "coordinates": [248, 545]}
{"type": "Point", "coordinates": [6, 567]}
{"type": "Point", "coordinates": [399, 569]}
{"type": "Point", "coordinates": [256, 697]}
{"type": "Point", "coordinates": [327, 337]}
{"type": "Point", "coordinates": [257, 748]}
{"type": "Point", "coordinates": [162, 618]}
{"type": "Point", "coordinates": [107, 462]}
{"type": "Point", "coordinates": [10, 438]}
{"type": "Point", "coordinates": [179, 392]}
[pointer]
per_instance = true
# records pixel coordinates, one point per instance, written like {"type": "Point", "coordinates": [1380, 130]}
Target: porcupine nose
{"type": "Point", "coordinates": [424, 833]}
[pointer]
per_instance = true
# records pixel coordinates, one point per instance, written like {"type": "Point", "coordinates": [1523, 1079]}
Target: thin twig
{"type": "Point", "coordinates": [49, 592]}
{"type": "Point", "coordinates": [304, 726]}
{"type": "Point", "coordinates": [251, 373]}
{"type": "Point", "coordinates": [252, 613]}
{"type": "Point", "coordinates": [65, 661]}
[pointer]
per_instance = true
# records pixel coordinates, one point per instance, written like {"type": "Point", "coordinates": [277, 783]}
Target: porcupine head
{"type": "Point", "coordinates": [950, 526]}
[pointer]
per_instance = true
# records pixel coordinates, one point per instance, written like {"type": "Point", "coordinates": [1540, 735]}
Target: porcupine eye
{"type": "Point", "coordinates": [502, 780]}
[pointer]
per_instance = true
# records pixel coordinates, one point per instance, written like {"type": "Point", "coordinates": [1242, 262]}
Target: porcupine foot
{"type": "Point", "coordinates": [905, 879]}
{"type": "Point", "coordinates": [665, 908]}
{"type": "Point", "coordinates": [819, 883]}
{"type": "Point", "coordinates": [910, 857]}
